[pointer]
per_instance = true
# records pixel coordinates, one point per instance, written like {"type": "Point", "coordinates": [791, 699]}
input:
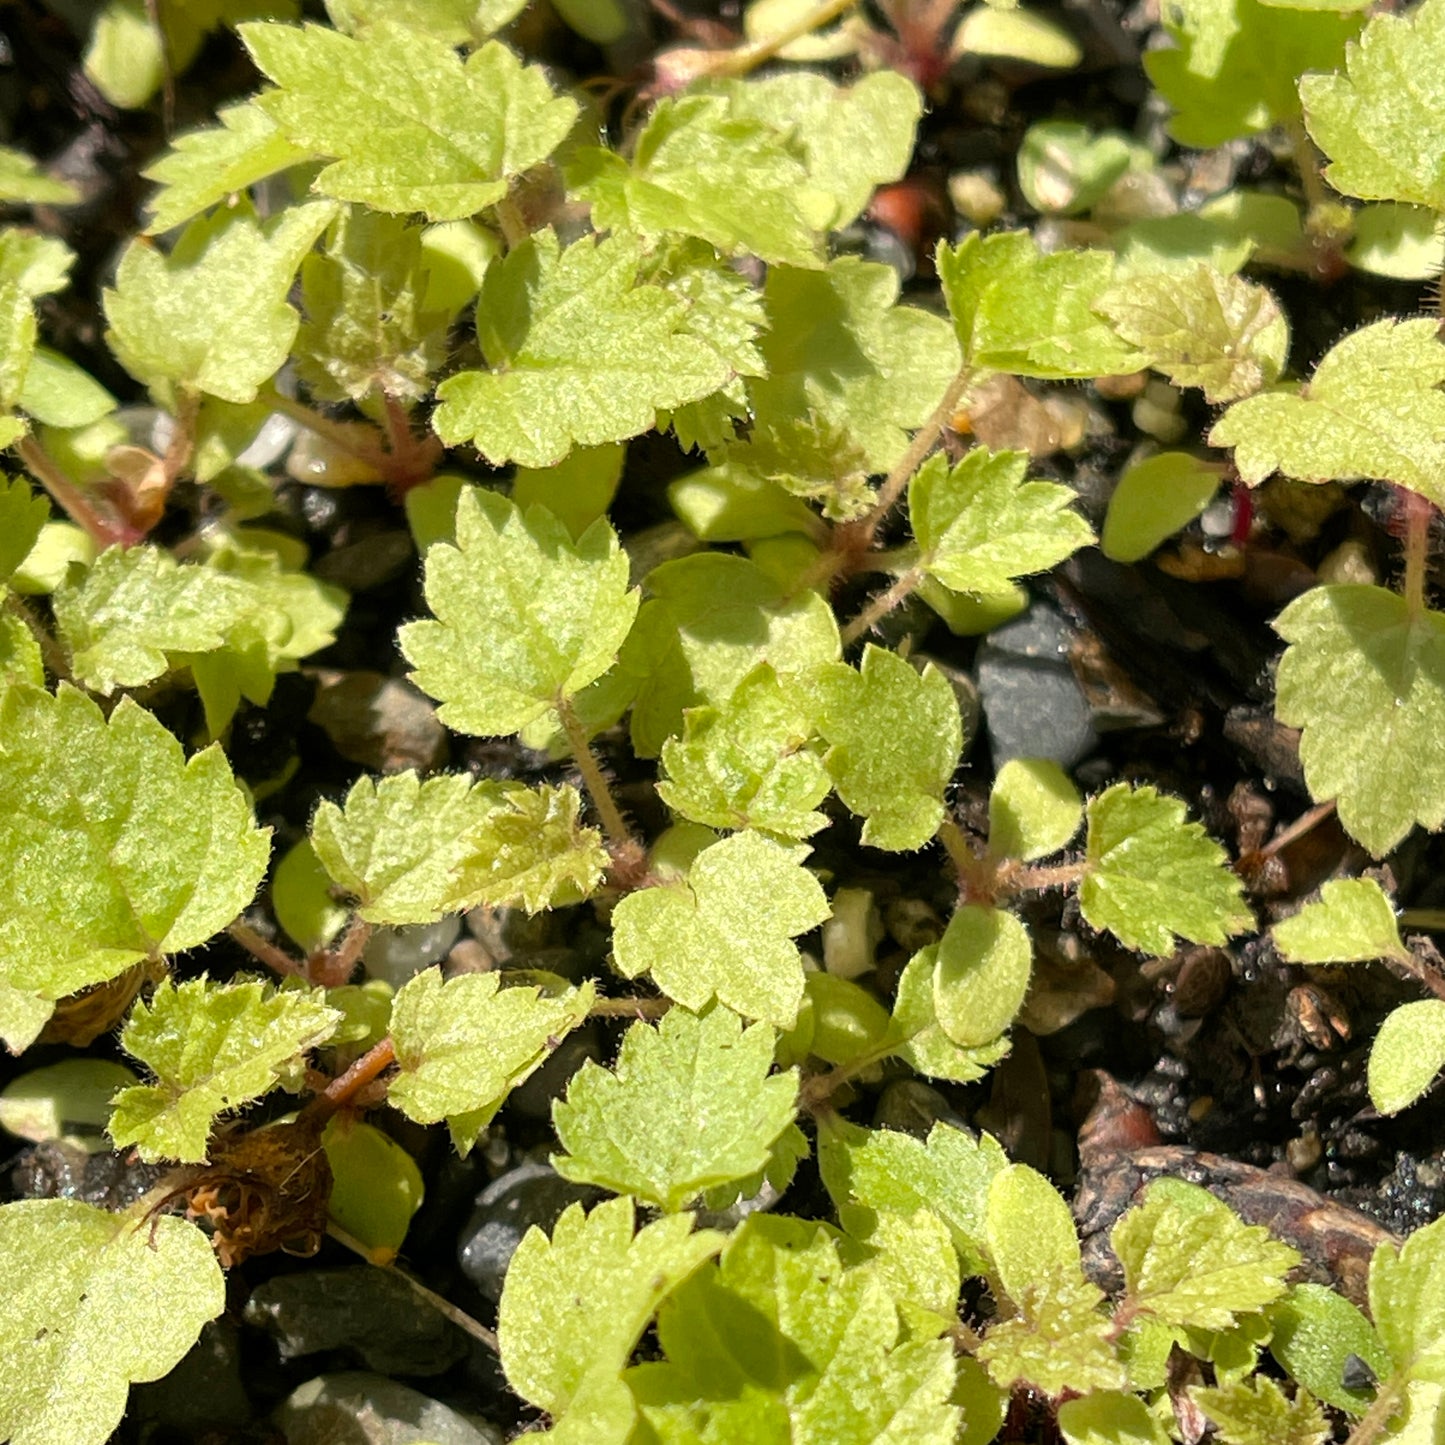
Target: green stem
{"type": "Point", "coordinates": [593, 778]}
{"type": "Point", "coordinates": [629, 1008]}
{"type": "Point", "coordinates": [1425, 920]}
{"type": "Point", "coordinates": [880, 605]}
{"type": "Point", "coordinates": [1377, 1417]}
{"type": "Point", "coordinates": [749, 57]}
{"type": "Point", "coordinates": [816, 1091]}
{"type": "Point", "coordinates": [1307, 163]}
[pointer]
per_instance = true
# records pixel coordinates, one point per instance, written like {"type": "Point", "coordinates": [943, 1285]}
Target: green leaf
{"type": "Point", "coordinates": [1398, 241]}
{"type": "Point", "coordinates": [1065, 167]}
{"type": "Point", "coordinates": [23, 183]}
{"type": "Point", "coordinates": [687, 1107]}
{"type": "Point", "coordinates": [68, 1101]}
{"type": "Point", "coordinates": [727, 931]}
{"type": "Point", "coordinates": [1220, 333]}
{"type": "Point", "coordinates": [1192, 1262]}
{"type": "Point", "coordinates": [596, 1285]}
{"type": "Point", "coordinates": [1155, 499]}
{"type": "Point", "coordinates": [1059, 1340]}
{"type": "Point", "coordinates": [211, 1047]}
{"type": "Point", "coordinates": [894, 737]}
{"type": "Point", "coordinates": [57, 392]}
{"type": "Point", "coordinates": [204, 167]}
{"type": "Point", "coordinates": [1150, 875]}
{"type": "Point", "coordinates": [1028, 1230]}
{"type": "Point", "coordinates": [1407, 1054]}
{"type": "Point", "coordinates": [984, 962]}
{"type": "Point", "coordinates": [1366, 681]}
{"type": "Point", "coordinates": [1372, 409]}
{"type": "Point", "coordinates": [376, 1186]}
{"type": "Point", "coordinates": [1033, 810]}
{"type": "Point", "coordinates": [1314, 1331]}
{"type": "Point", "coordinates": [413, 126]}
{"type": "Point", "coordinates": [1016, 34]}
{"type": "Point", "coordinates": [1380, 122]}
{"type": "Point", "coordinates": [1407, 1300]}
{"type": "Point", "coordinates": [20, 656]}
{"type": "Point", "coordinates": [982, 525]}
{"type": "Point", "coordinates": [526, 618]}
{"type": "Point", "coordinates": [1353, 920]}
{"type": "Point", "coordinates": [784, 1342]}
{"type": "Point", "coordinates": [578, 490]}
{"type": "Point", "coordinates": [580, 349]}
{"type": "Point", "coordinates": [458, 22]}
{"type": "Point", "coordinates": [1235, 64]}
{"type": "Point", "coordinates": [747, 765]}
{"type": "Point", "coordinates": [710, 620]}
{"type": "Point", "coordinates": [129, 850]}
{"type": "Point", "coordinates": [93, 1301]}
{"type": "Point", "coordinates": [212, 315]}
{"type": "Point", "coordinates": [464, 1045]}
{"type": "Point", "coordinates": [22, 515]}
{"type": "Point", "coordinates": [302, 900]}
{"type": "Point", "coordinates": [1109, 1417]}
{"type": "Point", "coordinates": [925, 1043]}
{"type": "Point", "coordinates": [367, 328]}
{"type": "Point", "coordinates": [1015, 309]}
{"type": "Point", "coordinates": [1258, 1412]}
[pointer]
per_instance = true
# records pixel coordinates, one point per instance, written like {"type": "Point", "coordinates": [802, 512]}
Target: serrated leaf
{"type": "Point", "coordinates": [1366, 681]}
{"type": "Point", "coordinates": [981, 525]}
{"type": "Point", "coordinates": [212, 316]}
{"type": "Point", "coordinates": [1033, 810]}
{"type": "Point", "coordinates": [1372, 409]}
{"type": "Point", "coordinates": [1058, 1341]}
{"type": "Point", "coordinates": [22, 515]}
{"type": "Point", "coordinates": [1379, 123]}
{"type": "Point", "coordinates": [747, 765]}
{"type": "Point", "coordinates": [1258, 1412]}
{"type": "Point", "coordinates": [1154, 499]}
{"type": "Point", "coordinates": [1407, 1300]}
{"type": "Point", "coordinates": [1235, 64]}
{"type": "Point", "coordinates": [93, 1302]}
{"type": "Point", "coordinates": [23, 183]}
{"type": "Point", "coordinates": [115, 847]}
{"type": "Point", "coordinates": [1352, 920]}
{"type": "Point", "coordinates": [413, 126]}
{"type": "Point", "coordinates": [783, 1341]}
{"type": "Point", "coordinates": [578, 490]}
{"type": "Point", "coordinates": [688, 1106]}
{"type": "Point", "coordinates": [1150, 875]}
{"type": "Point", "coordinates": [1191, 1261]}
{"type": "Point", "coordinates": [984, 963]}
{"type": "Point", "coordinates": [581, 348]}
{"type": "Point", "coordinates": [1015, 309]}
{"type": "Point", "coordinates": [376, 1187]}
{"type": "Point", "coordinates": [204, 167]}
{"type": "Point", "coordinates": [1407, 1054]}
{"type": "Point", "coordinates": [924, 1042]}
{"type": "Point", "coordinates": [709, 621]}
{"type": "Point", "coordinates": [894, 737]}
{"type": "Point", "coordinates": [1109, 1417]}
{"type": "Point", "coordinates": [1220, 333]}
{"type": "Point", "coordinates": [597, 1285]}
{"type": "Point", "coordinates": [1313, 1332]}
{"type": "Point", "coordinates": [525, 618]}
{"type": "Point", "coordinates": [464, 1045]}
{"type": "Point", "coordinates": [211, 1047]}
{"type": "Point", "coordinates": [727, 931]}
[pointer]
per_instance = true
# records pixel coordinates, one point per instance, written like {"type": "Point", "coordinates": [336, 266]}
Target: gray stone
{"type": "Point", "coordinates": [912, 1107]}
{"type": "Point", "coordinates": [506, 1209]}
{"type": "Point", "coordinates": [381, 722]}
{"type": "Point", "coordinates": [390, 1328]}
{"type": "Point", "coordinates": [361, 1409]}
{"type": "Point", "coordinates": [399, 954]}
{"type": "Point", "coordinates": [533, 1097]}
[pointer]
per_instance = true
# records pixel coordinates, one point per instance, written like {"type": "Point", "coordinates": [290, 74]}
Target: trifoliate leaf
{"type": "Point", "coordinates": [894, 737]}
{"type": "Point", "coordinates": [1314, 1331]}
{"type": "Point", "coordinates": [23, 183]}
{"type": "Point", "coordinates": [1150, 875]}
{"type": "Point", "coordinates": [204, 167]}
{"type": "Point", "coordinates": [1017, 310]}
{"type": "Point", "coordinates": [981, 525]}
{"type": "Point", "coordinates": [22, 515]}
{"type": "Point", "coordinates": [727, 931]}
{"type": "Point", "coordinates": [1353, 920]}
{"type": "Point", "coordinates": [1220, 333]}
{"type": "Point", "coordinates": [1372, 409]}
{"type": "Point", "coordinates": [1191, 1261]}
{"type": "Point", "coordinates": [580, 348]}
{"type": "Point", "coordinates": [1058, 1341]}
{"type": "Point", "coordinates": [710, 620]}
{"type": "Point", "coordinates": [699, 169]}
{"type": "Point", "coordinates": [814, 456]}
{"type": "Point", "coordinates": [1155, 498]}
{"type": "Point", "coordinates": [526, 618]}
{"type": "Point", "coordinates": [212, 316]}
{"type": "Point", "coordinates": [1379, 123]}
{"type": "Point", "coordinates": [211, 1047]}
{"type": "Point", "coordinates": [597, 1286]}
{"type": "Point", "coordinates": [1366, 681]}
{"type": "Point", "coordinates": [1235, 65]}
{"type": "Point", "coordinates": [376, 1186]}
{"type": "Point", "coordinates": [367, 328]}
{"type": "Point", "coordinates": [413, 126]}
{"type": "Point", "coordinates": [1033, 810]}
{"type": "Point", "coordinates": [1408, 1052]}
{"type": "Point", "coordinates": [926, 1044]}
{"type": "Point", "coordinates": [115, 847]}
{"type": "Point", "coordinates": [93, 1301]}
{"type": "Point", "coordinates": [950, 1175]}
{"type": "Point", "coordinates": [1257, 1412]}
{"type": "Point", "coordinates": [782, 1341]}
{"type": "Point", "coordinates": [747, 765]}
{"type": "Point", "coordinates": [1109, 1417]}
{"type": "Point", "coordinates": [464, 1045]}
{"type": "Point", "coordinates": [687, 1107]}
{"type": "Point", "coordinates": [984, 962]}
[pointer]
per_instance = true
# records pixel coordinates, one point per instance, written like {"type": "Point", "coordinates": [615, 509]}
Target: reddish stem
{"type": "Point", "coordinates": [345, 1087]}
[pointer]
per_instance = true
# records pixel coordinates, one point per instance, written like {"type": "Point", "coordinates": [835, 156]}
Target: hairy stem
{"type": "Point", "coordinates": [1417, 546]}
{"type": "Point", "coordinates": [977, 879]}
{"type": "Point", "coordinates": [629, 1008]}
{"type": "Point", "coordinates": [1019, 878]}
{"type": "Point", "coordinates": [881, 605]}
{"type": "Point", "coordinates": [333, 966]}
{"type": "Point", "coordinates": [104, 531]}
{"type": "Point", "coordinates": [53, 655]}
{"type": "Point", "coordinates": [412, 458]}
{"type": "Point", "coordinates": [593, 778]}
{"type": "Point", "coordinates": [276, 959]}
{"type": "Point", "coordinates": [345, 1086]}
{"type": "Point", "coordinates": [1370, 1425]}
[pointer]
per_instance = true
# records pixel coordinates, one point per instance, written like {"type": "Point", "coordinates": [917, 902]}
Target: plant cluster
{"type": "Point", "coordinates": [409, 242]}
